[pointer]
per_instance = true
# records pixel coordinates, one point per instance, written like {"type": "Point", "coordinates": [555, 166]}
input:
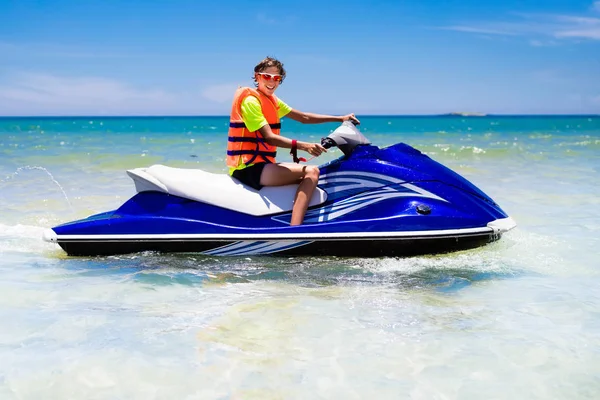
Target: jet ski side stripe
{"type": "Point", "coordinates": [358, 174]}
{"type": "Point", "coordinates": [281, 236]}
{"type": "Point", "coordinates": [497, 226]}
{"type": "Point", "coordinates": [255, 247]}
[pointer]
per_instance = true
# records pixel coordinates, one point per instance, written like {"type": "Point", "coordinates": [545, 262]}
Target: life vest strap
{"type": "Point", "coordinates": [251, 152]}
{"type": "Point", "coordinates": [243, 125]}
{"type": "Point", "coordinates": [245, 139]}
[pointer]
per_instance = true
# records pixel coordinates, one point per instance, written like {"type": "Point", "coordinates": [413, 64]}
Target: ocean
{"type": "Point", "coordinates": [517, 319]}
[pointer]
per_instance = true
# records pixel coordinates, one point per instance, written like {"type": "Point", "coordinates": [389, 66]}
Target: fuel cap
{"type": "Point", "coordinates": [423, 209]}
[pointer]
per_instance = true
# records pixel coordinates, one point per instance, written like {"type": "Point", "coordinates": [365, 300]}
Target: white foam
{"type": "Point", "coordinates": [23, 239]}
{"type": "Point", "coordinates": [20, 231]}
{"type": "Point", "coordinates": [517, 252]}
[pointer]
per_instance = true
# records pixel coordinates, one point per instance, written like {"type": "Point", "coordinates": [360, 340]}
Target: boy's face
{"type": "Point", "coordinates": [268, 80]}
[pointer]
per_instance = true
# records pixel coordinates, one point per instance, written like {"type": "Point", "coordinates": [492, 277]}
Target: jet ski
{"type": "Point", "coordinates": [370, 202]}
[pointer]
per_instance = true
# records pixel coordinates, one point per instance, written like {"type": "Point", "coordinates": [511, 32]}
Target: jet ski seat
{"type": "Point", "coordinates": [218, 189]}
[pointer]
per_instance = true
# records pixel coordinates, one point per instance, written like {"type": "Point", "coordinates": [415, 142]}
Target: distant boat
{"type": "Point", "coordinates": [466, 114]}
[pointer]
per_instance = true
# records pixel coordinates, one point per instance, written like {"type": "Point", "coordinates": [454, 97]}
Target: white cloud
{"type": "Point", "coordinates": [220, 93]}
{"type": "Point", "coordinates": [48, 94]}
{"type": "Point", "coordinates": [263, 19]}
{"type": "Point", "coordinates": [37, 49]}
{"type": "Point", "coordinates": [589, 21]}
{"type": "Point", "coordinates": [474, 29]}
{"type": "Point", "coordinates": [280, 20]}
{"type": "Point", "coordinates": [80, 93]}
{"type": "Point", "coordinates": [558, 26]}
{"type": "Point", "coordinates": [593, 33]}
{"type": "Point", "coordinates": [580, 27]}
{"type": "Point", "coordinates": [542, 43]}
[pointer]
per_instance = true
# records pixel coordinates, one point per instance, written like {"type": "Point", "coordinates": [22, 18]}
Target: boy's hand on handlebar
{"type": "Point", "coordinates": [351, 117]}
{"type": "Point", "coordinates": [314, 149]}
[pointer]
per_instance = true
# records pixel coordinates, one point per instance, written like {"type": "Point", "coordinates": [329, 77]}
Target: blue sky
{"type": "Point", "coordinates": [369, 57]}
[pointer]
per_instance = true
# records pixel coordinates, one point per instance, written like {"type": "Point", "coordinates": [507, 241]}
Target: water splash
{"type": "Point", "coordinates": [35, 167]}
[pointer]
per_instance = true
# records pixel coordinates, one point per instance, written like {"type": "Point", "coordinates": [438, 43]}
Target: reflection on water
{"type": "Point", "coordinates": [445, 273]}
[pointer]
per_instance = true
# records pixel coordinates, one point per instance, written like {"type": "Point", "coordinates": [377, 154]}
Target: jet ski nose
{"type": "Point", "coordinates": [502, 225]}
{"type": "Point", "coordinates": [49, 236]}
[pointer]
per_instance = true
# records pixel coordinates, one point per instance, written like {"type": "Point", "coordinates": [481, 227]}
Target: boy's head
{"type": "Point", "coordinates": [267, 63]}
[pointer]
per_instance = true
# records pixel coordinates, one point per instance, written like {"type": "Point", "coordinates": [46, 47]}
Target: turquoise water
{"type": "Point", "coordinates": [517, 319]}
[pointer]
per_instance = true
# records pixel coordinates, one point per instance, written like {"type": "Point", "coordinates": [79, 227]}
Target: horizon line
{"type": "Point", "coordinates": [456, 115]}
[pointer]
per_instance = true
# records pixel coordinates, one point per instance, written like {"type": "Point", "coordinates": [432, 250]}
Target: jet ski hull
{"type": "Point", "coordinates": [354, 245]}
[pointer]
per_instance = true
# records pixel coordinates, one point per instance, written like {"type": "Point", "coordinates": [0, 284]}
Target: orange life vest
{"type": "Point", "coordinates": [248, 146]}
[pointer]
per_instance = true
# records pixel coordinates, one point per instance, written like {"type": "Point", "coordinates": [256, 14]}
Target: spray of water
{"type": "Point", "coordinates": [34, 167]}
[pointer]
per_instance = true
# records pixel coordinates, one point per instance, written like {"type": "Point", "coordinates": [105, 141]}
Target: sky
{"type": "Point", "coordinates": [184, 57]}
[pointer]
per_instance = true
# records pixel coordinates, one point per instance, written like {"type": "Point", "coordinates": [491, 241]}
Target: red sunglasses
{"type": "Point", "coordinates": [268, 77]}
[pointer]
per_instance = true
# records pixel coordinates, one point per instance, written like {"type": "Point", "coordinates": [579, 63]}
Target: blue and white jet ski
{"type": "Point", "coordinates": [372, 201]}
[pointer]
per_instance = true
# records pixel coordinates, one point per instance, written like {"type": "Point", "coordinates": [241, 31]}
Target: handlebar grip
{"type": "Point", "coordinates": [328, 142]}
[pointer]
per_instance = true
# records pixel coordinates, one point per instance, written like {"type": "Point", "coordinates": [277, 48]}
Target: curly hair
{"type": "Point", "coordinates": [266, 63]}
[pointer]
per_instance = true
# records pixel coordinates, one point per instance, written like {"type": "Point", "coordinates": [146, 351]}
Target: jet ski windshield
{"type": "Point", "coordinates": [346, 137]}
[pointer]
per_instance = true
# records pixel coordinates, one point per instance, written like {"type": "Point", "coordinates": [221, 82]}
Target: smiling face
{"type": "Point", "coordinates": [268, 80]}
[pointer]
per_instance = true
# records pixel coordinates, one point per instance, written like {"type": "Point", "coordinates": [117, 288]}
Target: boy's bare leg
{"type": "Point", "coordinates": [285, 174]}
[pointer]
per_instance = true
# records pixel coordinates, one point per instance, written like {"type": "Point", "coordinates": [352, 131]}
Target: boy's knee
{"type": "Point", "coordinates": [312, 172]}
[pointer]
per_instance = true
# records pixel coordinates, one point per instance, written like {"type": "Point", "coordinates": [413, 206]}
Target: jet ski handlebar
{"type": "Point", "coordinates": [328, 142]}
{"type": "Point", "coordinates": [346, 137]}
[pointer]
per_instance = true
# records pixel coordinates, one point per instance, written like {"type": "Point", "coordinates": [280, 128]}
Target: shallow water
{"type": "Point", "coordinates": [519, 318]}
